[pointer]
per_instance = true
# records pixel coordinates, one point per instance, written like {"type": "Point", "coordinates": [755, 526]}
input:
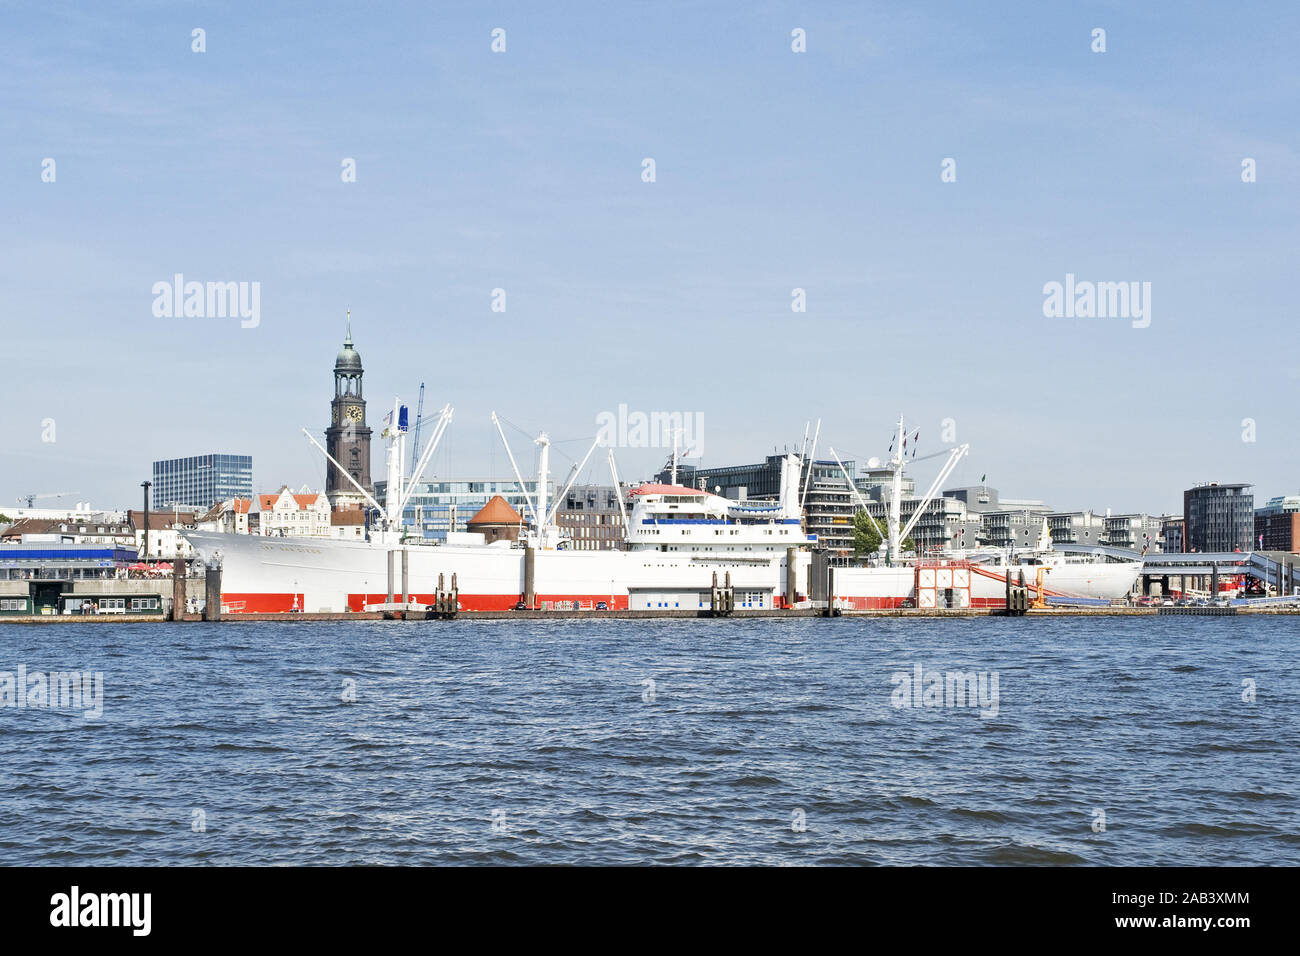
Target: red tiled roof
{"type": "Point", "coordinates": [654, 489]}
{"type": "Point", "coordinates": [267, 502]}
{"type": "Point", "coordinates": [161, 520]}
{"type": "Point", "coordinates": [496, 511]}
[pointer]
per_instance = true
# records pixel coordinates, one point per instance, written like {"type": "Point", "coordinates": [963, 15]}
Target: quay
{"type": "Point", "coordinates": [635, 615]}
{"type": "Point", "coordinates": [65, 583]}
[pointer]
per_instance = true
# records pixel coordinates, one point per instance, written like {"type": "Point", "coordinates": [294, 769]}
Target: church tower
{"type": "Point", "coordinates": [348, 437]}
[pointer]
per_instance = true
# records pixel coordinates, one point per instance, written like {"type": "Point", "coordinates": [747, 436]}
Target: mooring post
{"type": "Point", "coordinates": [212, 594]}
{"type": "Point", "coordinates": [390, 576]}
{"type": "Point", "coordinates": [406, 577]}
{"type": "Point", "coordinates": [791, 584]}
{"type": "Point", "coordinates": [178, 589]}
{"type": "Point", "coordinates": [530, 566]}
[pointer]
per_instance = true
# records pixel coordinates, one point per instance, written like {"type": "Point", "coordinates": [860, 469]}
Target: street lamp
{"type": "Point", "coordinates": [145, 485]}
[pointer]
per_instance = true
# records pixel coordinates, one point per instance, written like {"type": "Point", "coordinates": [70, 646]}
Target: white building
{"type": "Point", "coordinates": [229, 517]}
{"type": "Point", "coordinates": [289, 514]}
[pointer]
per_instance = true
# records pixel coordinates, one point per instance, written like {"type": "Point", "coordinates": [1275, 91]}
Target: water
{"type": "Point", "coordinates": [512, 742]}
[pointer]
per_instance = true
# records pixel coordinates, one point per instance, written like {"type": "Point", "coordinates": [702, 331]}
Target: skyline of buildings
{"type": "Point", "coordinates": [1215, 516]}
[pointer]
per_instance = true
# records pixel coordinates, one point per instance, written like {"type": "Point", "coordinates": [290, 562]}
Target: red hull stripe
{"type": "Point", "coordinates": [258, 603]}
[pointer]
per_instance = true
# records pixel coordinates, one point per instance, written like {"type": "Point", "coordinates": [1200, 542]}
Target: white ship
{"type": "Point", "coordinates": [967, 578]}
{"type": "Point", "coordinates": [680, 543]}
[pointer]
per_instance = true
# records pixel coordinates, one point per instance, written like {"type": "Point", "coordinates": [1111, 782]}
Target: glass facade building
{"type": "Point", "coordinates": [1219, 517]}
{"type": "Point", "coordinates": [436, 507]}
{"type": "Point", "coordinates": [201, 481]}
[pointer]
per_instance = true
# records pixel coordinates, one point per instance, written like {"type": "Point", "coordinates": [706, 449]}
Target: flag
{"type": "Point", "coordinates": [982, 477]}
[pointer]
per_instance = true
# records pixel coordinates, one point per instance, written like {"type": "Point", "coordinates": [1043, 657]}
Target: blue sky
{"type": "Point", "coordinates": [775, 170]}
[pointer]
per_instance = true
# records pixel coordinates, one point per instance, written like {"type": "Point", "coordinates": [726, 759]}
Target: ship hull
{"type": "Point", "coordinates": [984, 585]}
{"type": "Point", "coordinates": [263, 575]}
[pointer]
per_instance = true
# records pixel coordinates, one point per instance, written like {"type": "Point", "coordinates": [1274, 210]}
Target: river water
{"type": "Point", "coordinates": [1138, 740]}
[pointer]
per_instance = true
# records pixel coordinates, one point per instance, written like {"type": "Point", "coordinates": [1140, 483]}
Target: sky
{"type": "Point", "coordinates": [774, 170]}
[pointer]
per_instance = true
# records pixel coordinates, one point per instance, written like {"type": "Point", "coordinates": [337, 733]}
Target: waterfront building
{"type": "Point", "coordinates": [1134, 531]}
{"type": "Point", "coordinates": [944, 524]}
{"type": "Point", "coordinates": [201, 481]}
{"type": "Point", "coordinates": [737, 482]}
{"type": "Point", "coordinates": [165, 540]}
{"type": "Point", "coordinates": [877, 483]}
{"type": "Point", "coordinates": [49, 577]}
{"type": "Point", "coordinates": [1017, 522]}
{"type": "Point", "coordinates": [348, 523]}
{"type": "Point", "coordinates": [233, 516]}
{"type": "Point", "coordinates": [1077, 527]}
{"type": "Point", "coordinates": [976, 498]}
{"type": "Point", "coordinates": [1277, 524]}
{"type": "Point", "coordinates": [829, 506]}
{"type": "Point", "coordinates": [1011, 529]}
{"type": "Point", "coordinates": [1171, 534]}
{"type": "Point", "coordinates": [108, 529]}
{"type": "Point", "coordinates": [348, 437]}
{"type": "Point", "coordinates": [1219, 517]}
{"type": "Point", "coordinates": [289, 514]}
{"type": "Point", "coordinates": [590, 516]}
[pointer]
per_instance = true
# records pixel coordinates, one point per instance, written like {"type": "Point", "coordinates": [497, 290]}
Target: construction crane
{"type": "Point", "coordinates": [30, 499]}
{"type": "Point", "coordinates": [415, 435]}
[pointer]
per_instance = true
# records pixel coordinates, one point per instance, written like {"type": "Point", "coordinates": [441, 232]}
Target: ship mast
{"type": "Point", "coordinates": [895, 516]}
{"type": "Point", "coordinates": [543, 467]}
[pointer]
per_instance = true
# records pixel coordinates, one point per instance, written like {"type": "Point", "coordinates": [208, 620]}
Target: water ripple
{"type": "Point", "coordinates": [1114, 742]}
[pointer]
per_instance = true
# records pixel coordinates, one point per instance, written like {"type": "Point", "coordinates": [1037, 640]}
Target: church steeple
{"type": "Point", "coordinates": [348, 437]}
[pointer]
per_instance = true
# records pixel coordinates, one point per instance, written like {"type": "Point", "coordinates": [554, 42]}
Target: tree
{"type": "Point", "coordinates": [866, 537]}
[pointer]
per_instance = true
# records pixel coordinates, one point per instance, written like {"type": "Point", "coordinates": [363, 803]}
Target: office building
{"type": "Point", "coordinates": [200, 481]}
{"type": "Point", "coordinates": [1219, 517]}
